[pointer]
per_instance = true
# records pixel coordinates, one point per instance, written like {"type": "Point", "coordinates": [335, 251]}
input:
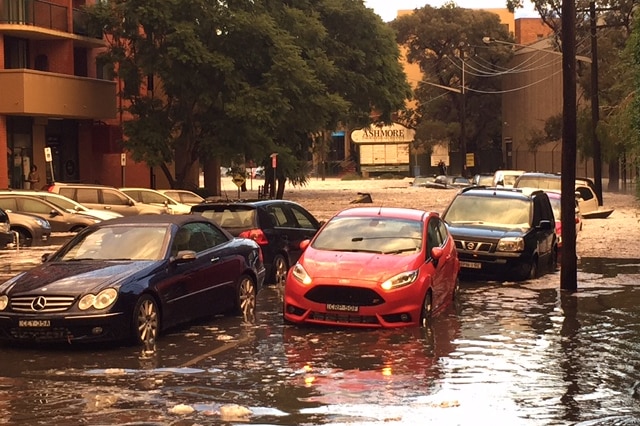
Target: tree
{"type": "Point", "coordinates": [239, 77]}
{"type": "Point", "coordinates": [447, 43]}
{"type": "Point", "coordinates": [616, 17]}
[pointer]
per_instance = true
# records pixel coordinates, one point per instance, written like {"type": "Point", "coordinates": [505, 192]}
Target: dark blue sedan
{"type": "Point", "coordinates": [131, 278]}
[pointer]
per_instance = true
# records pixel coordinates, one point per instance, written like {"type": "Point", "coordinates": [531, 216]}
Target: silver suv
{"type": "Point", "coordinates": [102, 197]}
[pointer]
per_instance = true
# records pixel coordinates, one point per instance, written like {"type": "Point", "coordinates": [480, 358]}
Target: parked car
{"type": "Point", "coordinates": [60, 219]}
{"type": "Point", "coordinates": [102, 197]}
{"type": "Point", "coordinates": [423, 181]}
{"type": "Point", "coordinates": [502, 233]}
{"type": "Point", "coordinates": [65, 203]}
{"type": "Point", "coordinates": [448, 182]}
{"type": "Point", "coordinates": [506, 178]}
{"type": "Point", "coordinates": [31, 230]}
{"type": "Point", "coordinates": [556, 206]}
{"type": "Point", "coordinates": [183, 196]}
{"type": "Point", "coordinates": [482, 179]}
{"type": "Point", "coordinates": [153, 197]}
{"type": "Point", "coordinates": [585, 188]}
{"type": "Point", "coordinates": [6, 236]}
{"type": "Point", "coordinates": [374, 267]}
{"type": "Point", "coordinates": [130, 279]}
{"type": "Point", "coordinates": [278, 226]}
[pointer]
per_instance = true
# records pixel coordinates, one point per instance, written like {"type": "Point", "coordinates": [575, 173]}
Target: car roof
{"type": "Point", "coordinates": [395, 212]}
{"type": "Point", "coordinates": [515, 193]}
{"type": "Point", "coordinates": [177, 219]}
{"type": "Point", "coordinates": [246, 203]}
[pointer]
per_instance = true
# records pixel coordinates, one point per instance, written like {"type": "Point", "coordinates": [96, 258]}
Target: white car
{"type": "Point", "coordinates": [506, 178]}
{"type": "Point", "coordinates": [182, 196]}
{"type": "Point", "coordinates": [153, 197]}
{"type": "Point", "coordinates": [67, 204]}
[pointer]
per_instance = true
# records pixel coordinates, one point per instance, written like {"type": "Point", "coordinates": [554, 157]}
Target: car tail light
{"type": "Point", "coordinates": [256, 235]}
{"type": "Point", "coordinates": [260, 255]}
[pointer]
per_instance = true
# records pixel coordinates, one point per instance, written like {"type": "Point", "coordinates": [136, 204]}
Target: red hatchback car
{"type": "Point", "coordinates": [374, 267]}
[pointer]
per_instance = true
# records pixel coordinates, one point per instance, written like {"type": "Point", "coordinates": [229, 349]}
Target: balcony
{"type": "Point", "coordinates": [38, 93]}
{"type": "Point", "coordinates": [38, 19]}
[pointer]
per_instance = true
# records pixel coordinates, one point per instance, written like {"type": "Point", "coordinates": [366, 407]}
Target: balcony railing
{"type": "Point", "coordinates": [34, 12]}
{"type": "Point", "coordinates": [80, 26]}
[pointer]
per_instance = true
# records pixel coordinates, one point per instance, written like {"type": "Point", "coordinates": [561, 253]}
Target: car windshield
{"type": "Point", "coordinates": [231, 218]}
{"type": "Point", "coordinates": [370, 234]}
{"type": "Point", "coordinates": [119, 243]}
{"type": "Point", "coordinates": [489, 211]}
{"type": "Point", "coordinates": [63, 203]}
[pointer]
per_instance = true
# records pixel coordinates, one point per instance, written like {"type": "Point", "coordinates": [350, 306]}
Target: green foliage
{"type": "Point", "coordinates": [443, 41]}
{"type": "Point", "coordinates": [245, 77]}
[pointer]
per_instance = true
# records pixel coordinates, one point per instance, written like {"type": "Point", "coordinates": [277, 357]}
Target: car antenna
{"type": "Point", "coordinates": [380, 210]}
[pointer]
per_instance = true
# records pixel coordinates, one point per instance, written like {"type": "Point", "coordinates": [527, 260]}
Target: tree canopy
{"type": "Point", "coordinates": [447, 44]}
{"type": "Point", "coordinates": [245, 77]}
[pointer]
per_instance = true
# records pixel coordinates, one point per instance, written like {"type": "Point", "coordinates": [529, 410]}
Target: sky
{"type": "Point", "coordinates": [388, 9]}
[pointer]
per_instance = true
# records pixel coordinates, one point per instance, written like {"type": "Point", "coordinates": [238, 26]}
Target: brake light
{"type": "Point", "coordinates": [256, 235]}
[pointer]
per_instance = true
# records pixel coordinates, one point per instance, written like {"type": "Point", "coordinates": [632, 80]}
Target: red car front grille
{"type": "Point", "coordinates": [344, 318]}
{"type": "Point", "coordinates": [341, 295]}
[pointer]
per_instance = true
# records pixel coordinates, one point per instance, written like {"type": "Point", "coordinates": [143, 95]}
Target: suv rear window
{"type": "Point", "coordinates": [540, 182]}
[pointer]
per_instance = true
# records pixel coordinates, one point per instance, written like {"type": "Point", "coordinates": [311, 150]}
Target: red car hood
{"type": "Point", "coordinates": [356, 265]}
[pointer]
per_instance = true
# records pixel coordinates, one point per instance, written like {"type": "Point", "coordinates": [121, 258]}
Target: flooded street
{"type": "Point", "coordinates": [508, 353]}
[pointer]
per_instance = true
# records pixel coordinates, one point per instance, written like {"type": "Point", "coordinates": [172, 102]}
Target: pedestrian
{"type": "Point", "coordinates": [443, 167]}
{"type": "Point", "coordinates": [33, 178]}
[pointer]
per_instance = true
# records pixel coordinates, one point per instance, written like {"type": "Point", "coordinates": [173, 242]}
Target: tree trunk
{"type": "Point", "coordinates": [614, 175]}
{"type": "Point", "coordinates": [212, 177]}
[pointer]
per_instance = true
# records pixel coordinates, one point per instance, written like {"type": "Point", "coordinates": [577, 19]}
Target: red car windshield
{"type": "Point", "coordinates": [371, 234]}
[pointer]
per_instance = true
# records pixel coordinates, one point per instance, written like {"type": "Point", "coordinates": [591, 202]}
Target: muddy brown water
{"type": "Point", "coordinates": [508, 353]}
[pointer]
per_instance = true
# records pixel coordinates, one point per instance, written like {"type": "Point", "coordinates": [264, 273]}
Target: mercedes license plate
{"type": "Point", "coordinates": [34, 323]}
{"type": "Point", "coordinates": [471, 265]}
{"type": "Point", "coordinates": [342, 308]}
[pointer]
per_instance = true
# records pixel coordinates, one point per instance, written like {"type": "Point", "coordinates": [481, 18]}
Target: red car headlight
{"type": "Point", "coordinates": [400, 280]}
{"type": "Point", "coordinates": [300, 274]}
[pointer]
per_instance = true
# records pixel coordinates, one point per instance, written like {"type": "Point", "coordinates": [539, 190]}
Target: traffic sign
{"type": "Point", "coordinates": [239, 180]}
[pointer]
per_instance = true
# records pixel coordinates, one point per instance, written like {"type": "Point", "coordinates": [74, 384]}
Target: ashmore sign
{"type": "Point", "coordinates": [395, 133]}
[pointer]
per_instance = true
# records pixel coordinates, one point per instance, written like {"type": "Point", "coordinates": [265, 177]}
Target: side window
{"type": "Point", "coordinates": [112, 197]}
{"type": "Point", "coordinates": [585, 193]}
{"type": "Point", "coordinates": [35, 206]}
{"type": "Point", "coordinates": [304, 221]}
{"type": "Point", "coordinates": [278, 215]}
{"type": "Point", "coordinates": [434, 237]}
{"type": "Point", "coordinates": [197, 237]}
{"type": "Point", "coordinates": [8, 204]}
{"type": "Point", "coordinates": [442, 231]}
{"type": "Point", "coordinates": [84, 195]}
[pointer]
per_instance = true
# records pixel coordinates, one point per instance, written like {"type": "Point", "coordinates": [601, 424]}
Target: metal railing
{"type": "Point", "coordinates": [34, 12]}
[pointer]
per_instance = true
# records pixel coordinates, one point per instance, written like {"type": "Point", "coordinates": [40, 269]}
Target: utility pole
{"type": "Point", "coordinates": [595, 106]}
{"type": "Point", "coordinates": [463, 113]}
{"type": "Point", "coordinates": [569, 270]}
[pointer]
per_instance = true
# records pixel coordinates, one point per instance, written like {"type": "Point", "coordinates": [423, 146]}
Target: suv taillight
{"type": "Point", "coordinates": [256, 235]}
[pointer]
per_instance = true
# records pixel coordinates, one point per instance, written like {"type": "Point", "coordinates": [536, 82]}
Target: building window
{"type": "Point", "coordinates": [16, 53]}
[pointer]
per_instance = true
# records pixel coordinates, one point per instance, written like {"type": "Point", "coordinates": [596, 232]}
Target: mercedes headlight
{"type": "Point", "coordinates": [4, 301]}
{"type": "Point", "coordinates": [512, 244]}
{"type": "Point", "coordinates": [103, 300]}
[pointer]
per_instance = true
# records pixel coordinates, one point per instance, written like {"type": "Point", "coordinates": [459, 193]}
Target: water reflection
{"type": "Point", "coordinates": [512, 353]}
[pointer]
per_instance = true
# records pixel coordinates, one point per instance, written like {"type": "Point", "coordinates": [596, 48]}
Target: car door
{"type": "Point", "coordinates": [56, 217]}
{"type": "Point", "coordinates": [542, 211]}
{"type": "Point", "coordinates": [444, 273]}
{"type": "Point", "coordinates": [293, 225]}
{"type": "Point", "coordinates": [206, 285]}
{"type": "Point", "coordinates": [116, 201]}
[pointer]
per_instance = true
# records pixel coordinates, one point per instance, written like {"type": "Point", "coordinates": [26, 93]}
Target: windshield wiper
{"type": "Point", "coordinates": [401, 250]}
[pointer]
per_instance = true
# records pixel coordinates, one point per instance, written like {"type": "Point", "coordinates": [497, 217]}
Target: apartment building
{"type": "Point", "coordinates": [54, 95]}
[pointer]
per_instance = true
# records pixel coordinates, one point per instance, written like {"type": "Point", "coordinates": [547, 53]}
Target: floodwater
{"type": "Point", "coordinates": [506, 354]}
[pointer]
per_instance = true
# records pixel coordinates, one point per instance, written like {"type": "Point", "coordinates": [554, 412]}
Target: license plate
{"type": "Point", "coordinates": [471, 265]}
{"type": "Point", "coordinates": [34, 323]}
{"type": "Point", "coordinates": [342, 308]}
